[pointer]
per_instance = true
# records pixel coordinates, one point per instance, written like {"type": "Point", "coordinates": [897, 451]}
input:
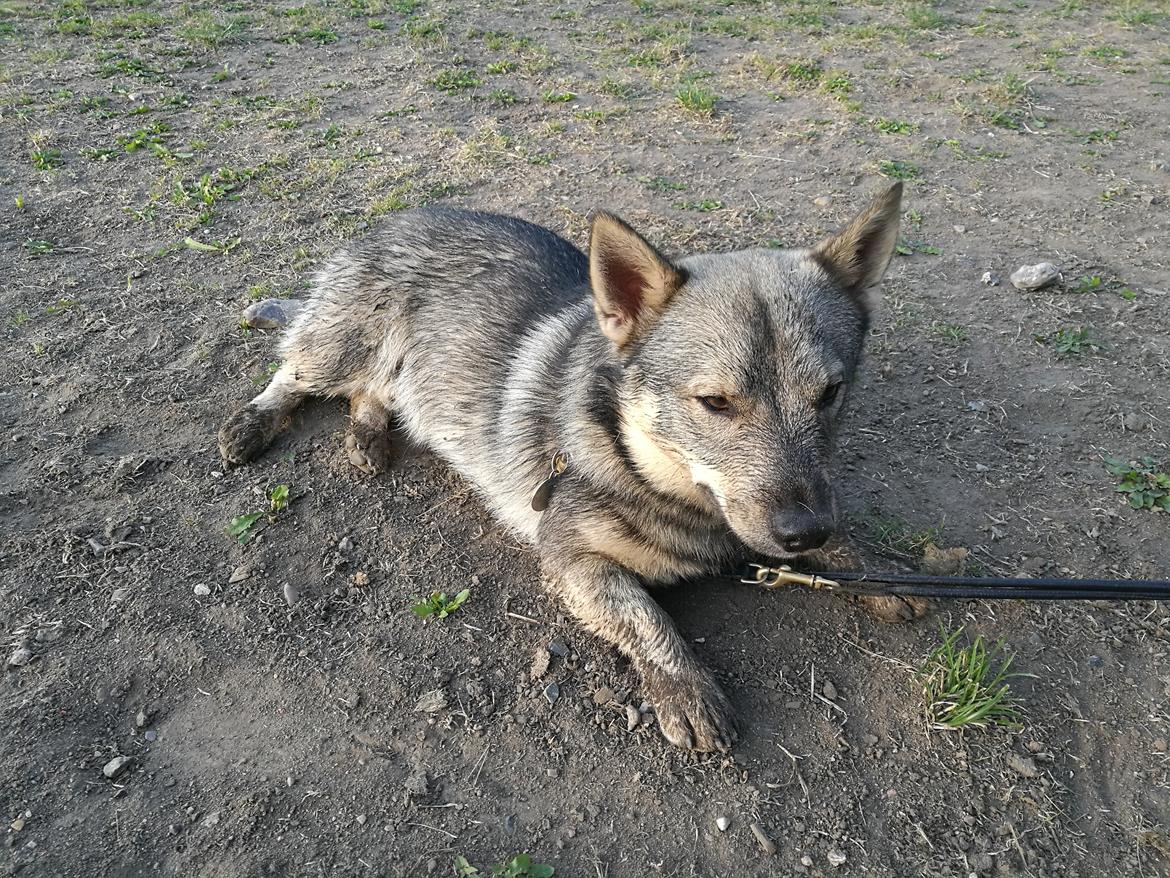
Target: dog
{"type": "Point", "coordinates": [639, 420]}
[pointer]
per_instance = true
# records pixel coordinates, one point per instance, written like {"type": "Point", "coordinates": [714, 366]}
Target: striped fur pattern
{"type": "Point", "coordinates": [695, 400]}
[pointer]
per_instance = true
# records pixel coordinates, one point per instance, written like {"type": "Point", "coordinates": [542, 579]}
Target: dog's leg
{"type": "Point", "coordinates": [891, 608]}
{"type": "Point", "coordinates": [250, 430]}
{"type": "Point", "coordinates": [692, 710]}
{"type": "Point", "coordinates": [368, 441]}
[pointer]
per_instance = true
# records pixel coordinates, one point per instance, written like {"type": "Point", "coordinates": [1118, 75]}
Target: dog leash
{"type": "Point", "coordinates": [968, 587]}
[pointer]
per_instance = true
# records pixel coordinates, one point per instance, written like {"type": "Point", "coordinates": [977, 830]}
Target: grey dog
{"type": "Point", "coordinates": [638, 419]}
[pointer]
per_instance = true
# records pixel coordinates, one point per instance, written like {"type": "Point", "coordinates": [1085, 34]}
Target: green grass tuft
{"type": "Point", "coordinates": [967, 686]}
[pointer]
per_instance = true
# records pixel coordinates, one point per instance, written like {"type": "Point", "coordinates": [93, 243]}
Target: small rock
{"type": "Point", "coordinates": [291, 595]}
{"type": "Point", "coordinates": [239, 574]}
{"type": "Point", "coordinates": [1023, 765]}
{"type": "Point", "coordinates": [20, 657]}
{"type": "Point", "coordinates": [823, 200]}
{"type": "Point", "coordinates": [869, 740]}
{"type": "Point", "coordinates": [202, 590]}
{"type": "Point", "coordinates": [960, 229]}
{"type": "Point", "coordinates": [558, 649]}
{"type": "Point", "coordinates": [603, 696]}
{"type": "Point", "coordinates": [361, 819]}
{"type": "Point", "coordinates": [151, 736]}
{"type": "Point", "coordinates": [991, 280]}
{"type": "Point", "coordinates": [431, 702]}
{"type": "Point", "coordinates": [1159, 745]}
{"type": "Point", "coordinates": [806, 861]}
{"type": "Point", "coordinates": [141, 718]}
{"type": "Point", "coordinates": [211, 820]}
{"type": "Point", "coordinates": [1035, 277]}
{"type": "Point", "coordinates": [552, 692]}
{"type": "Point", "coordinates": [272, 313]}
{"type": "Point", "coordinates": [634, 717]}
{"type": "Point", "coordinates": [17, 824]}
{"type": "Point", "coordinates": [722, 823]}
{"type": "Point", "coordinates": [836, 858]}
{"type": "Point", "coordinates": [119, 595]}
{"type": "Point", "coordinates": [829, 690]}
{"type": "Point", "coordinates": [116, 766]}
{"type": "Point", "coordinates": [1135, 422]}
{"type": "Point", "coordinates": [1035, 747]}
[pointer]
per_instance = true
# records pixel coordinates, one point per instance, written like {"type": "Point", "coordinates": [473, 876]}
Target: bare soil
{"type": "Point", "coordinates": [162, 164]}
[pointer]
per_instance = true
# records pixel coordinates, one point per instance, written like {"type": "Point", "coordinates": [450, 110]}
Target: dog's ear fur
{"type": "Point", "coordinates": [632, 282]}
{"type": "Point", "coordinates": [858, 255]}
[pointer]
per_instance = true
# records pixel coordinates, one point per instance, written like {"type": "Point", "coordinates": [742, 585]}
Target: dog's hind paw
{"type": "Point", "coordinates": [244, 435]}
{"type": "Point", "coordinates": [692, 711]}
{"type": "Point", "coordinates": [894, 608]}
{"type": "Point", "coordinates": [368, 449]}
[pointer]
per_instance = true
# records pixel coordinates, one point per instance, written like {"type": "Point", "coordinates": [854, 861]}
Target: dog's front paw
{"type": "Point", "coordinates": [368, 449]}
{"type": "Point", "coordinates": [692, 710]}
{"type": "Point", "coordinates": [244, 435]}
{"type": "Point", "coordinates": [894, 608]}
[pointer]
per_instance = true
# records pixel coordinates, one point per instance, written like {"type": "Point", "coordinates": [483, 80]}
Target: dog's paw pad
{"type": "Point", "coordinates": [367, 450]}
{"type": "Point", "coordinates": [244, 435]}
{"type": "Point", "coordinates": [693, 713]}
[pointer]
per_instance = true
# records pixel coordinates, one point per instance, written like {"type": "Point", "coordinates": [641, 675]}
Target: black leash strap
{"type": "Point", "coordinates": [968, 587]}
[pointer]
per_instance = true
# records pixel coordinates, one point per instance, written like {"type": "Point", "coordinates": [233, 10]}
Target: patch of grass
{"type": "Point", "coordinates": [440, 606]}
{"type": "Point", "coordinates": [45, 158]}
{"type": "Point", "coordinates": [520, 866]}
{"type": "Point", "coordinates": [211, 31]}
{"type": "Point", "coordinates": [894, 126]}
{"type": "Point", "coordinates": [903, 537]}
{"type": "Point", "coordinates": [697, 99]}
{"type": "Point", "coordinates": [967, 686]}
{"type": "Point", "coordinates": [923, 17]}
{"type": "Point", "coordinates": [454, 81]}
{"type": "Point", "coordinates": [498, 67]}
{"type": "Point", "coordinates": [617, 89]}
{"type": "Point", "coordinates": [1069, 341]}
{"type": "Point", "coordinates": [38, 247]}
{"type": "Point", "coordinates": [60, 307]}
{"type": "Point", "coordinates": [706, 205]}
{"type": "Point", "coordinates": [503, 97]}
{"type": "Point", "coordinates": [1145, 482]}
{"type": "Point", "coordinates": [552, 96]}
{"type": "Point", "coordinates": [19, 318]}
{"type": "Point", "coordinates": [896, 169]}
{"type": "Point", "coordinates": [661, 184]}
{"type": "Point", "coordinates": [951, 332]}
{"type": "Point", "coordinates": [1089, 284]}
{"type": "Point", "coordinates": [908, 247]}
{"type": "Point", "coordinates": [1106, 52]}
{"type": "Point", "coordinates": [423, 30]}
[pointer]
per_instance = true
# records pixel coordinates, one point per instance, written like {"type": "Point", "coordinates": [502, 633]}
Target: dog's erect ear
{"type": "Point", "coordinates": [632, 282]}
{"type": "Point", "coordinates": [858, 255]}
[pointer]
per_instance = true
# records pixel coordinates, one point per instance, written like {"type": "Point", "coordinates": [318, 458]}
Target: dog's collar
{"type": "Point", "coordinates": [557, 467]}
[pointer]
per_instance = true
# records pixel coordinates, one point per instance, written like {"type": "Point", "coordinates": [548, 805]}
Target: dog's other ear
{"type": "Point", "coordinates": [632, 282]}
{"type": "Point", "coordinates": [858, 255]}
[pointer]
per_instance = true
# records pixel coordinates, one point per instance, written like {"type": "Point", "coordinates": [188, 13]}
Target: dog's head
{"type": "Point", "coordinates": [736, 367]}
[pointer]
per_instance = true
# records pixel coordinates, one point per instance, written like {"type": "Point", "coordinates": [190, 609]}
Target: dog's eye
{"type": "Point", "coordinates": [720, 405]}
{"type": "Point", "coordinates": [830, 395]}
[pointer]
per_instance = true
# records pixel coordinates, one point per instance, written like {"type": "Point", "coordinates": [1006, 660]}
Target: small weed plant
{"type": "Point", "coordinates": [520, 866]}
{"type": "Point", "coordinates": [1144, 481]}
{"type": "Point", "coordinates": [440, 606]}
{"type": "Point", "coordinates": [967, 686]}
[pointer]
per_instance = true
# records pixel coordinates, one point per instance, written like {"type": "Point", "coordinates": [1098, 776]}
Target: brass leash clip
{"type": "Point", "coordinates": [774, 577]}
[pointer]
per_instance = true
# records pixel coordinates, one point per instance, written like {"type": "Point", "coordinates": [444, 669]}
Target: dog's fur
{"type": "Point", "coordinates": [695, 401]}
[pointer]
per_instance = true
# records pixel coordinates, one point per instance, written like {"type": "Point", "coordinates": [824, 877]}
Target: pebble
{"type": "Point", "coordinates": [116, 766]}
{"type": "Point", "coordinates": [836, 858]}
{"type": "Point", "coordinates": [239, 574]}
{"type": "Point", "coordinates": [991, 280]}
{"type": "Point", "coordinates": [634, 717]}
{"type": "Point", "coordinates": [766, 844]}
{"type": "Point", "coordinates": [806, 861]}
{"type": "Point", "coordinates": [291, 595]}
{"type": "Point", "coordinates": [151, 736]}
{"type": "Point", "coordinates": [1023, 765]}
{"type": "Point", "coordinates": [1035, 277]}
{"type": "Point", "coordinates": [558, 649]}
{"type": "Point", "coordinates": [552, 692]}
{"type": "Point", "coordinates": [539, 664]}
{"type": "Point", "coordinates": [823, 200]}
{"type": "Point", "coordinates": [1159, 745]}
{"type": "Point", "coordinates": [272, 313]}
{"type": "Point", "coordinates": [603, 696]}
{"type": "Point", "coordinates": [202, 590]}
{"type": "Point", "coordinates": [17, 824]}
{"type": "Point", "coordinates": [1135, 422]}
{"type": "Point", "coordinates": [20, 657]}
{"type": "Point", "coordinates": [722, 822]}
{"type": "Point", "coordinates": [119, 595]}
{"type": "Point", "coordinates": [829, 690]}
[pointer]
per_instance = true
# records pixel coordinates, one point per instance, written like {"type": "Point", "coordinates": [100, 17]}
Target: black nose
{"type": "Point", "coordinates": [799, 529]}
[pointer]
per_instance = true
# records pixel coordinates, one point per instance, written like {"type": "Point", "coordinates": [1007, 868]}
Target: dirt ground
{"type": "Point", "coordinates": [162, 164]}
